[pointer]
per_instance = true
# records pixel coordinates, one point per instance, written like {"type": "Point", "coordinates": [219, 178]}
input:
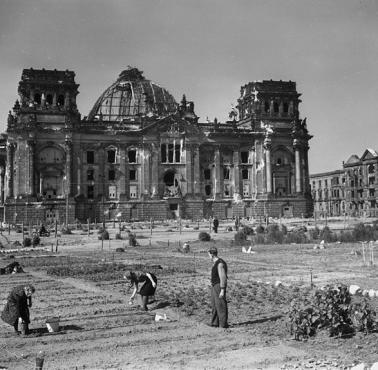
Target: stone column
{"type": "Point", "coordinates": [67, 100]}
{"type": "Point", "coordinates": [298, 181]}
{"type": "Point", "coordinates": [155, 171]}
{"type": "Point", "coordinates": [54, 99]}
{"type": "Point", "coordinates": [196, 170]}
{"type": "Point", "coordinates": [68, 148]}
{"type": "Point", "coordinates": [189, 169]}
{"type": "Point", "coordinates": [306, 176]}
{"type": "Point", "coordinates": [9, 170]}
{"type": "Point", "coordinates": [236, 176]}
{"type": "Point", "coordinates": [31, 145]}
{"type": "Point", "coordinates": [40, 184]}
{"type": "Point", "coordinates": [122, 167]}
{"type": "Point", "coordinates": [2, 174]}
{"type": "Point", "coordinates": [217, 173]}
{"type": "Point", "coordinates": [267, 147]}
{"type": "Point", "coordinates": [146, 188]}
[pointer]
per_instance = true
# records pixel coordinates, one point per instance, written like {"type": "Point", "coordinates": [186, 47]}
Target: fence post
{"type": "Point", "coordinates": [89, 227]}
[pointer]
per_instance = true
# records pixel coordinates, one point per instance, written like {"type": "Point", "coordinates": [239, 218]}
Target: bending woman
{"type": "Point", "coordinates": [148, 288]}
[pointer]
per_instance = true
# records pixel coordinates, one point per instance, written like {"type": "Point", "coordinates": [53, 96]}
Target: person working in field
{"type": "Point", "coordinates": [219, 309]}
{"type": "Point", "coordinates": [17, 307]}
{"type": "Point", "coordinates": [147, 290]}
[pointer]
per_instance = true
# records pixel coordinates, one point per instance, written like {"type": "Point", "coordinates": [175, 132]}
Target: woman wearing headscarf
{"type": "Point", "coordinates": [17, 307]}
{"type": "Point", "coordinates": [148, 288]}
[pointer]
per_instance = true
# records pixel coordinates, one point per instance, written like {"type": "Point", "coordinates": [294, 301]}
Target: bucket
{"type": "Point", "coordinates": [53, 325]}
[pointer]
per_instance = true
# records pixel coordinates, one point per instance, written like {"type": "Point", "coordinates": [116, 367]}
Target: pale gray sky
{"type": "Point", "coordinates": [207, 49]}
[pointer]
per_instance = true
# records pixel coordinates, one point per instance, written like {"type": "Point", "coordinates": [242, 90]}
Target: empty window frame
{"type": "Point", "coordinates": [132, 155]}
{"type": "Point", "coordinates": [170, 153]}
{"type": "Point", "coordinates": [244, 156]}
{"type": "Point", "coordinates": [111, 154]}
{"type": "Point", "coordinates": [226, 173]}
{"type": "Point", "coordinates": [226, 190]}
{"type": "Point", "coordinates": [90, 175]}
{"type": "Point", "coordinates": [90, 156]}
{"type": "Point", "coordinates": [207, 174]}
{"type": "Point", "coordinates": [208, 190]}
{"type": "Point", "coordinates": [90, 191]}
{"type": "Point", "coordinates": [245, 174]}
{"type": "Point", "coordinates": [132, 175]}
{"type": "Point", "coordinates": [111, 175]}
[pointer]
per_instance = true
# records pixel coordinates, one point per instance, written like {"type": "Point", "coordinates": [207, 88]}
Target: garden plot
{"type": "Point", "coordinates": [83, 285]}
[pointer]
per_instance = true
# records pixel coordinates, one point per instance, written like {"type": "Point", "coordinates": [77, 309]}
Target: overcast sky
{"type": "Point", "coordinates": [207, 49]}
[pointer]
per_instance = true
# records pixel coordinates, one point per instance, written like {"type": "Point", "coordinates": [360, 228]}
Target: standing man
{"type": "Point", "coordinates": [215, 225]}
{"type": "Point", "coordinates": [218, 290]}
{"type": "Point", "coordinates": [17, 307]}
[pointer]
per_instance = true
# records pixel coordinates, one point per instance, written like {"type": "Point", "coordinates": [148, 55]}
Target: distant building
{"type": "Point", "coordinates": [139, 154]}
{"type": "Point", "coordinates": [352, 190]}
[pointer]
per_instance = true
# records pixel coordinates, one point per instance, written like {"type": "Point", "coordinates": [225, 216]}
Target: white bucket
{"type": "Point", "coordinates": [52, 325]}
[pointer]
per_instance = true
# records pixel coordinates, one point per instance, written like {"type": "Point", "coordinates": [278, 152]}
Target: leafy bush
{"type": "Point", "coordinates": [120, 250]}
{"type": "Point", "coordinates": [118, 236]}
{"type": "Point", "coordinates": [327, 235]}
{"type": "Point", "coordinates": [346, 237]}
{"type": "Point", "coordinates": [104, 235]}
{"type": "Point", "coordinates": [260, 229]}
{"type": "Point", "coordinates": [240, 236]}
{"type": "Point", "coordinates": [204, 236]}
{"type": "Point", "coordinates": [66, 230]}
{"type": "Point", "coordinates": [247, 230]}
{"type": "Point", "coordinates": [274, 234]}
{"type": "Point", "coordinates": [363, 232]}
{"type": "Point", "coordinates": [314, 233]}
{"type": "Point", "coordinates": [27, 242]}
{"type": "Point", "coordinates": [298, 237]}
{"type": "Point", "coordinates": [132, 240]}
{"type": "Point", "coordinates": [259, 239]}
{"type": "Point", "coordinates": [36, 240]}
{"type": "Point", "coordinates": [329, 308]}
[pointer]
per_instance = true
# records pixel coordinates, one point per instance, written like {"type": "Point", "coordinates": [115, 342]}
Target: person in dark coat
{"type": "Point", "coordinates": [215, 224]}
{"type": "Point", "coordinates": [219, 309]}
{"type": "Point", "coordinates": [17, 306]}
{"type": "Point", "coordinates": [148, 288]}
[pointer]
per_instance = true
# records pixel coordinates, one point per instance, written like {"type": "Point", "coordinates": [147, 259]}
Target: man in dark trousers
{"type": "Point", "coordinates": [17, 306]}
{"type": "Point", "coordinates": [218, 290]}
{"type": "Point", "coordinates": [215, 224]}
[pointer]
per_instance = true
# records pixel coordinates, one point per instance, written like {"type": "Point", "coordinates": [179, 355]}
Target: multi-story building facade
{"type": "Point", "coordinates": [140, 155]}
{"type": "Point", "coordinates": [352, 190]}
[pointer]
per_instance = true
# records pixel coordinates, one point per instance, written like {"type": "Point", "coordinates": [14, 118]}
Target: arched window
{"type": "Point", "coordinates": [208, 190]}
{"type": "Point", "coordinates": [60, 100]}
{"type": "Point", "coordinates": [49, 99]}
{"type": "Point", "coordinates": [37, 98]}
{"type": "Point", "coordinates": [285, 107]}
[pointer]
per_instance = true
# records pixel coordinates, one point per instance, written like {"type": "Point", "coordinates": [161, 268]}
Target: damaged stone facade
{"type": "Point", "coordinates": [140, 155]}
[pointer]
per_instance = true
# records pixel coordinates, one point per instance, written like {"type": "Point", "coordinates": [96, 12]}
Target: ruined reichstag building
{"type": "Point", "coordinates": [139, 154]}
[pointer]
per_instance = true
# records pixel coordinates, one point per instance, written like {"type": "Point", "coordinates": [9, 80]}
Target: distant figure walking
{"type": "Point", "coordinates": [218, 290]}
{"type": "Point", "coordinates": [215, 224]}
{"type": "Point", "coordinates": [147, 290]}
{"type": "Point", "coordinates": [17, 306]}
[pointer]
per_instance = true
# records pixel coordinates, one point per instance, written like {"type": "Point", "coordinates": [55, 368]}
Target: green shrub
{"type": "Point", "coordinates": [132, 240]}
{"type": "Point", "coordinates": [240, 236]}
{"type": "Point", "coordinates": [329, 308]}
{"type": "Point", "coordinates": [104, 235]}
{"type": "Point", "coordinates": [118, 236]}
{"type": "Point", "coordinates": [346, 237]}
{"type": "Point", "coordinates": [362, 232]}
{"type": "Point", "coordinates": [36, 240]}
{"type": "Point", "coordinates": [314, 233]}
{"type": "Point", "coordinates": [27, 242]}
{"type": "Point", "coordinates": [327, 235]}
{"type": "Point", "coordinates": [66, 230]}
{"type": "Point", "coordinates": [259, 239]}
{"type": "Point", "coordinates": [297, 237]}
{"type": "Point", "coordinates": [274, 234]}
{"type": "Point", "coordinates": [204, 236]}
{"type": "Point", "coordinates": [260, 229]}
{"type": "Point", "coordinates": [248, 230]}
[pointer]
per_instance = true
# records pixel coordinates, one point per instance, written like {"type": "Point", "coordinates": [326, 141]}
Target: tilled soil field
{"type": "Point", "coordinates": [82, 284]}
